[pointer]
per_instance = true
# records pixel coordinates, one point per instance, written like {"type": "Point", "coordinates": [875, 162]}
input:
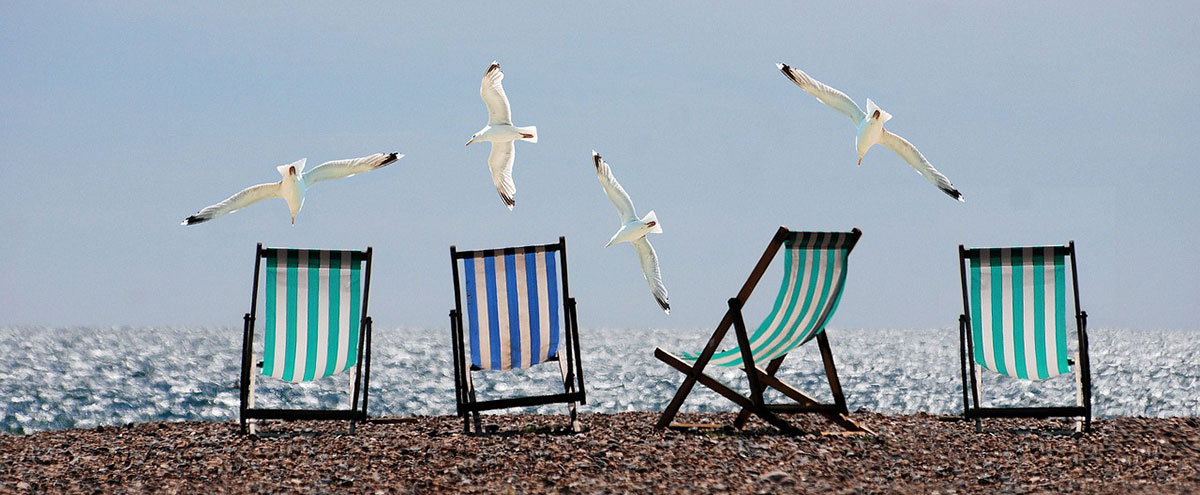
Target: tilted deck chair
{"type": "Point", "coordinates": [517, 306]}
{"type": "Point", "coordinates": [1014, 322]}
{"type": "Point", "coordinates": [315, 325]}
{"type": "Point", "coordinates": [814, 272]}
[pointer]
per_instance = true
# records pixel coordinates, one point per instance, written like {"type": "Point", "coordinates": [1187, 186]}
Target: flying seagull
{"type": "Point", "coordinates": [501, 132]}
{"type": "Point", "coordinates": [291, 188]}
{"type": "Point", "coordinates": [633, 230]}
{"type": "Point", "coordinates": [870, 128]}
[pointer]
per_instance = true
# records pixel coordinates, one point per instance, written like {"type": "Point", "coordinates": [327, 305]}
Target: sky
{"type": "Point", "coordinates": [1058, 121]}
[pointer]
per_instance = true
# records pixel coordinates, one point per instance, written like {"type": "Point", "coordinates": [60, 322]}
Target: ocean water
{"type": "Point", "coordinates": [55, 378]}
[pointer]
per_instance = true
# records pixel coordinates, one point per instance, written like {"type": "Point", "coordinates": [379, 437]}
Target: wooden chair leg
{"type": "Point", "coordinates": [977, 372]}
{"type": "Point", "coordinates": [835, 385]}
{"type": "Point", "coordinates": [744, 414]}
{"type": "Point", "coordinates": [569, 386]}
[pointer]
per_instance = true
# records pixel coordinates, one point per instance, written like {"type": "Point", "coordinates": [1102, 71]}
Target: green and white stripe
{"type": "Point", "coordinates": [814, 272]}
{"type": "Point", "coordinates": [1018, 305]}
{"type": "Point", "coordinates": [313, 312]}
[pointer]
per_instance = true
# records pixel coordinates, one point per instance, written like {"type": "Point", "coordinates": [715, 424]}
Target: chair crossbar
{"type": "Point", "coordinates": [300, 414]}
{"type": "Point", "coordinates": [1027, 412]}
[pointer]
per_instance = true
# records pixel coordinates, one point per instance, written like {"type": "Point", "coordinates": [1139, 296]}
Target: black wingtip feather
{"type": "Point", "coordinates": [953, 193]}
{"type": "Point", "coordinates": [390, 158]}
{"type": "Point", "coordinates": [192, 220]}
{"type": "Point", "coordinates": [787, 71]}
{"type": "Point", "coordinates": [596, 160]}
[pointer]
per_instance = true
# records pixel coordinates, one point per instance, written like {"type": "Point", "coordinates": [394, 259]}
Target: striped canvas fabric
{"type": "Point", "coordinates": [1018, 310]}
{"type": "Point", "coordinates": [814, 271]}
{"type": "Point", "coordinates": [313, 302]}
{"type": "Point", "coordinates": [512, 306]}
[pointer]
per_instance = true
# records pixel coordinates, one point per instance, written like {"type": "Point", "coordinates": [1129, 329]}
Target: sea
{"type": "Point", "coordinates": [54, 378]}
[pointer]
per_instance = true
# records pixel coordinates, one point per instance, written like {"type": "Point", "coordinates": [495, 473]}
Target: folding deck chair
{"type": "Point", "coordinates": [315, 326]}
{"type": "Point", "coordinates": [1014, 322]}
{"type": "Point", "coordinates": [517, 304]}
{"type": "Point", "coordinates": [814, 273]}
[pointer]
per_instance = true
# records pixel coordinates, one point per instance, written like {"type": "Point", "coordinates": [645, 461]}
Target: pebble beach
{"type": "Point", "coordinates": [617, 453]}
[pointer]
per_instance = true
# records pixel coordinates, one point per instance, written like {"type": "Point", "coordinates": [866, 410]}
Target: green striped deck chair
{"type": "Point", "coordinates": [517, 308]}
{"type": "Point", "coordinates": [1014, 323]}
{"type": "Point", "coordinates": [315, 326]}
{"type": "Point", "coordinates": [814, 272]}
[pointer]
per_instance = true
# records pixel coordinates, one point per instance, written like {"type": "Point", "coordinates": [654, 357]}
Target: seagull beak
{"type": "Point", "coordinates": [860, 160]}
{"type": "Point", "coordinates": [293, 219]}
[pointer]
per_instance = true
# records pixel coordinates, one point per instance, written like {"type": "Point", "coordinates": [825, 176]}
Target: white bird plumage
{"type": "Point", "coordinates": [293, 185]}
{"type": "Point", "coordinates": [633, 230]}
{"type": "Point", "coordinates": [501, 133]}
{"type": "Point", "coordinates": [870, 128]}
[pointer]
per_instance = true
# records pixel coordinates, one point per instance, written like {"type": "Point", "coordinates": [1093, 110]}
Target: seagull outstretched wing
{"type": "Point", "coordinates": [835, 99]}
{"type": "Point", "coordinates": [918, 162]}
{"type": "Point", "coordinates": [500, 161]}
{"type": "Point", "coordinates": [649, 260]}
{"type": "Point", "coordinates": [493, 96]}
{"type": "Point", "coordinates": [242, 199]}
{"type": "Point", "coordinates": [346, 168]}
{"type": "Point", "coordinates": [614, 191]}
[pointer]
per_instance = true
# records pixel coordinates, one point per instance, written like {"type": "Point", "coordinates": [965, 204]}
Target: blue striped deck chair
{"type": "Point", "coordinates": [1014, 323]}
{"type": "Point", "coordinates": [814, 272]}
{"type": "Point", "coordinates": [518, 314]}
{"type": "Point", "coordinates": [315, 326]}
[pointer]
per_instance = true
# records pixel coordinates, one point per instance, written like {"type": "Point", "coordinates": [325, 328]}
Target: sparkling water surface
{"type": "Point", "coordinates": [56, 378]}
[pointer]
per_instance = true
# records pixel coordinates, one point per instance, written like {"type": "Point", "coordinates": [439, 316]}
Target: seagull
{"type": "Point", "coordinates": [291, 188]}
{"type": "Point", "coordinates": [870, 128]}
{"type": "Point", "coordinates": [501, 132]}
{"type": "Point", "coordinates": [634, 231]}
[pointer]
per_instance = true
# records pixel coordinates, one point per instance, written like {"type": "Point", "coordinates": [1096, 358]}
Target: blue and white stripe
{"type": "Point", "coordinates": [513, 307]}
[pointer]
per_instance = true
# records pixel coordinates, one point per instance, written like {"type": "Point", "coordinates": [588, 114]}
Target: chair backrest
{"type": "Point", "coordinates": [314, 305]}
{"type": "Point", "coordinates": [814, 272]}
{"type": "Point", "coordinates": [1016, 301]}
{"type": "Point", "coordinates": [514, 304]}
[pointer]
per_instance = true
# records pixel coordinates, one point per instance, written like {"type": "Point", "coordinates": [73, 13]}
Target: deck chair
{"type": "Point", "coordinates": [814, 271]}
{"type": "Point", "coordinates": [1014, 323]}
{"type": "Point", "coordinates": [517, 306]}
{"type": "Point", "coordinates": [315, 326]}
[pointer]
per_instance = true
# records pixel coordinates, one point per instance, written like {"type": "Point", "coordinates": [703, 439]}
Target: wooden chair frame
{"type": "Point", "coordinates": [972, 388]}
{"type": "Point", "coordinates": [759, 378]}
{"type": "Point", "coordinates": [468, 407]}
{"type": "Point", "coordinates": [359, 380]}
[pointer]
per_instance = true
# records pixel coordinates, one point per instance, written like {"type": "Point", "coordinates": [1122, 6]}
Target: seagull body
{"type": "Point", "coordinates": [870, 128]}
{"type": "Point", "coordinates": [633, 230]}
{"type": "Point", "coordinates": [501, 132]}
{"type": "Point", "coordinates": [293, 185]}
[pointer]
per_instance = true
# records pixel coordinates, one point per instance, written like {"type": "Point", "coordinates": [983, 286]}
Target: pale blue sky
{"type": "Point", "coordinates": [1059, 121]}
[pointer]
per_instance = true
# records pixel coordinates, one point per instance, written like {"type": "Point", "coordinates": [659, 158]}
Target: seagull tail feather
{"type": "Point", "coordinates": [651, 217]}
{"type": "Point", "coordinates": [531, 130]}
